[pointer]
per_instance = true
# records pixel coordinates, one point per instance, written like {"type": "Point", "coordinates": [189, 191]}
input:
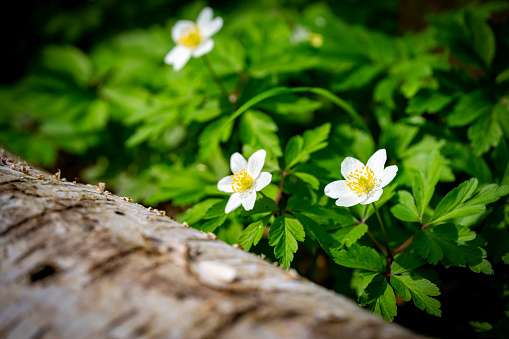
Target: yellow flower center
{"type": "Point", "coordinates": [361, 181]}
{"type": "Point", "coordinates": [191, 36]}
{"type": "Point", "coordinates": [241, 181]}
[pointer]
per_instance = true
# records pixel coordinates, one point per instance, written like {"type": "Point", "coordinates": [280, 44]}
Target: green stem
{"type": "Point", "coordinates": [215, 77]}
{"type": "Point", "coordinates": [389, 258]}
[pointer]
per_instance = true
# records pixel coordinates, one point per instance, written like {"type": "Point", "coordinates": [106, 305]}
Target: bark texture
{"type": "Point", "coordinates": [76, 262]}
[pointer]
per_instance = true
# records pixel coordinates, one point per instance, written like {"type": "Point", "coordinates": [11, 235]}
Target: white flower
{"type": "Point", "coordinates": [247, 179]}
{"type": "Point", "coordinates": [363, 184]}
{"type": "Point", "coordinates": [193, 39]}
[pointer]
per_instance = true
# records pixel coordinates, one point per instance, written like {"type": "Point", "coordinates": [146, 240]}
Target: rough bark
{"type": "Point", "coordinates": [76, 262]}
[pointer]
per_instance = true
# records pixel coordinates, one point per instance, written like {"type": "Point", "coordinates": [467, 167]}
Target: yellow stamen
{"type": "Point", "coordinates": [191, 36]}
{"type": "Point", "coordinates": [361, 182]}
{"type": "Point", "coordinates": [241, 181]}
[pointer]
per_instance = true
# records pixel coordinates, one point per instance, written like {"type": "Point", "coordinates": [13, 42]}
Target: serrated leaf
{"type": "Point", "coordinates": [259, 130]}
{"type": "Point", "coordinates": [309, 179]}
{"type": "Point", "coordinates": [457, 203]}
{"type": "Point", "coordinates": [299, 148]}
{"type": "Point", "coordinates": [349, 235]}
{"type": "Point", "coordinates": [380, 297]}
{"type": "Point", "coordinates": [253, 233]}
{"type": "Point", "coordinates": [211, 224]}
{"type": "Point", "coordinates": [484, 266]}
{"type": "Point", "coordinates": [198, 211]}
{"type": "Point", "coordinates": [283, 236]}
{"type": "Point", "coordinates": [420, 290]}
{"type": "Point", "coordinates": [359, 257]}
{"type": "Point", "coordinates": [318, 232]}
{"type": "Point", "coordinates": [484, 134]}
{"type": "Point", "coordinates": [447, 241]}
{"type": "Point", "coordinates": [470, 106]}
{"type": "Point", "coordinates": [424, 182]}
{"type": "Point", "coordinates": [406, 209]}
{"type": "Point", "coordinates": [407, 262]}
{"type": "Point", "coordinates": [453, 199]}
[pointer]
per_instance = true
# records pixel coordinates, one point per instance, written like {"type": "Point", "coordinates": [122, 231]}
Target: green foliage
{"type": "Point", "coordinates": [311, 89]}
{"type": "Point", "coordinates": [283, 235]}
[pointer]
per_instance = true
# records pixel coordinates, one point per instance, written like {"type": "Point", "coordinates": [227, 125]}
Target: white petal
{"type": "Point", "coordinates": [211, 27]}
{"type": "Point", "coordinates": [263, 180]}
{"type": "Point", "coordinates": [376, 195]}
{"type": "Point", "coordinates": [225, 184]}
{"type": "Point", "coordinates": [255, 163]}
{"type": "Point", "coordinates": [349, 200]}
{"type": "Point", "coordinates": [204, 48]}
{"type": "Point", "coordinates": [377, 161]}
{"type": "Point", "coordinates": [234, 202]}
{"type": "Point", "coordinates": [178, 57]}
{"type": "Point", "coordinates": [176, 30]}
{"type": "Point", "coordinates": [350, 164]}
{"type": "Point", "coordinates": [388, 175]}
{"type": "Point", "coordinates": [249, 201]}
{"type": "Point", "coordinates": [336, 189]}
{"type": "Point", "coordinates": [205, 16]}
{"type": "Point", "coordinates": [237, 162]}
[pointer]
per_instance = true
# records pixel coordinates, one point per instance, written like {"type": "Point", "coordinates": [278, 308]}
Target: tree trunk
{"type": "Point", "coordinates": [78, 262]}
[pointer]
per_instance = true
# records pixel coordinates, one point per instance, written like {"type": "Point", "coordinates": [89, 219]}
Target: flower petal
{"type": "Point", "coordinates": [255, 163]}
{"type": "Point", "coordinates": [176, 30]}
{"type": "Point", "coordinates": [237, 162]}
{"type": "Point", "coordinates": [225, 184]}
{"type": "Point", "coordinates": [204, 48]}
{"type": "Point", "coordinates": [350, 164]}
{"type": "Point", "coordinates": [263, 180]}
{"type": "Point", "coordinates": [376, 195]}
{"type": "Point", "coordinates": [387, 175]}
{"type": "Point", "coordinates": [249, 201]}
{"type": "Point", "coordinates": [234, 202]}
{"type": "Point", "coordinates": [336, 189]}
{"type": "Point", "coordinates": [205, 16]}
{"type": "Point", "coordinates": [178, 57]}
{"type": "Point", "coordinates": [377, 161]}
{"type": "Point", "coordinates": [210, 27]}
{"type": "Point", "coordinates": [349, 200]}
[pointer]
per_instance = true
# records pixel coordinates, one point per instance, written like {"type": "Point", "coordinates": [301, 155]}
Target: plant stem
{"type": "Point", "coordinates": [383, 231]}
{"type": "Point", "coordinates": [403, 246]}
{"type": "Point", "coordinates": [215, 77]}
{"type": "Point", "coordinates": [377, 243]}
{"type": "Point", "coordinates": [280, 191]}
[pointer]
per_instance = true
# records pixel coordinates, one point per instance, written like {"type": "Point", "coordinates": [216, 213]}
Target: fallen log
{"type": "Point", "coordinates": [79, 262]}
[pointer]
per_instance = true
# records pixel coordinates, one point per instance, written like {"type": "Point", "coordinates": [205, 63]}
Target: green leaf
{"type": "Point", "coordinates": [211, 137]}
{"type": "Point", "coordinates": [253, 233]}
{"type": "Point", "coordinates": [283, 236]}
{"type": "Point", "coordinates": [68, 61]}
{"type": "Point", "coordinates": [505, 258]}
{"type": "Point", "coordinates": [420, 290]}
{"type": "Point", "coordinates": [286, 90]}
{"type": "Point", "coordinates": [299, 147]}
{"type": "Point", "coordinates": [308, 179]}
{"type": "Point", "coordinates": [359, 257]}
{"type": "Point", "coordinates": [380, 296]}
{"type": "Point", "coordinates": [259, 130]}
{"type": "Point", "coordinates": [349, 235]}
{"type": "Point", "coordinates": [470, 106]}
{"type": "Point", "coordinates": [454, 198]}
{"type": "Point", "coordinates": [484, 134]}
{"type": "Point", "coordinates": [425, 182]}
{"type": "Point", "coordinates": [428, 102]}
{"type": "Point", "coordinates": [198, 211]}
{"type": "Point", "coordinates": [212, 224]}
{"type": "Point", "coordinates": [447, 242]}
{"type": "Point", "coordinates": [406, 209]}
{"type": "Point", "coordinates": [407, 262]}
{"type": "Point", "coordinates": [503, 76]}
{"type": "Point", "coordinates": [483, 39]}
{"type": "Point", "coordinates": [457, 203]}
{"type": "Point", "coordinates": [317, 232]}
